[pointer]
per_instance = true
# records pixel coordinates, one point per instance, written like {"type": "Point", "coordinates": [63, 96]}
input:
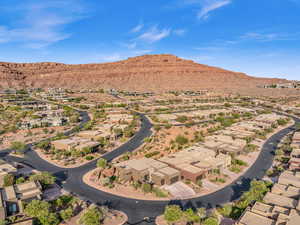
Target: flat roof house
{"type": "Point", "coordinates": [290, 178]}
{"type": "Point", "coordinates": [92, 134]}
{"type": "Point", "coordinates": [74, 143]}
{"type": "Point", "coordinates": [196, 162]}
{"type": "Point", "coordinates": [282, 201]}
{"type": "Point", "coordinates": [250, 218]}
{"type": "Point", "coordinates": [5, 169]}
{"type": "Point", "coordinates": [225, 144]}
{"type": "Point", "coordinates": [286, 190]}
{"type": "Point", "coordinates": [264, 214]}
{"type": "Point", "coordinates": [13, 195]}
{"type": "Point", "coordinates": [147, 170]}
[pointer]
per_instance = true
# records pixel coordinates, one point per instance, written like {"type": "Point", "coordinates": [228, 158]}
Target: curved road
{"type": "Point", "coordinates": [71, 179]}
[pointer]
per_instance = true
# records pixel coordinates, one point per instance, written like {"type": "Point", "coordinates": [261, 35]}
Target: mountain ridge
{"type": "Point", "coordinates": [142, 73]}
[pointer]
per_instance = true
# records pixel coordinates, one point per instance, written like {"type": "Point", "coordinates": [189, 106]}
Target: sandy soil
{"type": "Point", "coordinates": [113, 218]}
{"type": "Point", "coordinates": [80, 162]}
{"type": "Point", "coordinates": [130, 192]}
{"type": "Point", "coordinates": [121, 190]}
{"type": "Point", "coordinates": [22, 136]}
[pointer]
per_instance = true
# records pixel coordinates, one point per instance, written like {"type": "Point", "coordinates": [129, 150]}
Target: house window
{"type": "Point", "coordinates": [174, 179]}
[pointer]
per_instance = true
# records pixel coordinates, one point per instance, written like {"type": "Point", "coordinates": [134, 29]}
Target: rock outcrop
{"type": "Point", "coordinates": [143, 73]}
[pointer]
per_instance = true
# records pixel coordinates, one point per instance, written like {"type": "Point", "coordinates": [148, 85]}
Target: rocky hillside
{"type": "Point", "coordinates": [143, 73]}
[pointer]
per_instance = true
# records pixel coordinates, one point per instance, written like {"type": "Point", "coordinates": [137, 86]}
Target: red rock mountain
{"type": "Point", "coordinates": [142, 73]}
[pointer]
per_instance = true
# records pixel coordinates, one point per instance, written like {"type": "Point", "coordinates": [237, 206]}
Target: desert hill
{"type": "Point", "coordinates": [142, 73]}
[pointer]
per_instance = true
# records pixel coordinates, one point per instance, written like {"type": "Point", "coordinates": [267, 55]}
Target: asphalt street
{"type": "Point", "coordinates": [137, 210]}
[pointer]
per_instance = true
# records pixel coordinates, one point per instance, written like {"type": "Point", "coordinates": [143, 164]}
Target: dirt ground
{"type": "Point", "coordinates": [130, 192]}
{"type": "Point", "coordinates": [121, 190]}
{"type": "Point", "coordinates": [161, 140]}
{"type": "Point", "coordinates": [37, 134]}
{"type": "Point", "coordinates": [114, 217]}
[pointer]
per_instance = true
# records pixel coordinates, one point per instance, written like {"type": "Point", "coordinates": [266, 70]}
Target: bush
{"type": "Point", "coordinates": [66, 214]}
{"type": "Point", "coordinates": [89, 157]}
{"type": "Point", "coordinates": [91, 216]}
{"type": "Point", "coordinates": [211, 221]}
{"type": "Point", "coordinates": [159, 193]}
{"type": "Point", "coordinates": [181, 119]}
{"type": "Point", "coordinates": [235, 169]}
{"type": "Point", "coordinates": [173, 213]}
{"type": "Point", "coordinates": [191, 216]}
{"type": "Point", "coordinates": [181, 140]}
{"type": "Point", "coordinates": [151, 154]}
{"type": "Point", "coordinates": [102, 163]}
{"type": "Point", "coordinates": [20, 180]}
{"type": "Point", "coordinates": [45, 145]}
{"type": "Point", "coordinates": [41, 210]}
{"type": "Point", "coordinates": [45, 178]}
{"type": "Point", "coordinates": [18, 146]}
{"type": "Point", "coordinates": [146, 188]}
{"type": "Point", "coordinates": [225, 210]}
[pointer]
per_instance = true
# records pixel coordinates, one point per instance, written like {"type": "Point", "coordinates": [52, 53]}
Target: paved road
{"type": "Point", "coordinates": [71, 179]}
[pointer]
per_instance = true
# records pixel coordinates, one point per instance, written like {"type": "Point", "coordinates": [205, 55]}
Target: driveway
{"type": "Point", "coordinates": [137, 210]}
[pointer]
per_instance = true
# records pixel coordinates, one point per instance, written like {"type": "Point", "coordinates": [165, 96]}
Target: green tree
{"type": "Point", "coordinates": [146, 188]}
{"type": "Point", "coordinates": [211, 221]}
{"type": "Point", "coordinates": [45, 145]}
{"type": "Point", "coordinates": [37, 208]}
{"type": "Point", "coordinates": [45, 178]}
{"type": "Point", "coordinates": [41, 211]}
{"type": "Point", "coordinates": [191, 216]}
{"type": "Point", "coordinates": [201, 212]}
{"type": "Point", "coordinates": [20, 180]}
{"type": "Point", "coordinates": [3, 222]}
{"type": "Point", "coordinates": [91, 216]}
{"type": "Point", "coordinates": [49, 219]}
{"type": "Point", "coordinates": [181, 140]}
{"type": "Point", "coordinates": [102, 163]}
{"type": "Point", "coordinates": [66, 214]}
{"type": "Point", "coordinates": [173, 213]}
{"type": "Point", "coordinates": [225, 210]}
{"type": "Point", "coordinates": [18, 147]}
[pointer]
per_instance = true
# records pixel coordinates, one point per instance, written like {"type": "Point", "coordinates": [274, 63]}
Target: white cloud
{"type": "Point", "coordinates": [110, 57]}
{"type": "Point", "coordinates": [130, 45]}
{"type": "Point", "coordinates": [142, 52]}
{"type": "Point", "coordinates": [137, 28]}
{"type": "Point", "coordinates": [154, 34]}
{"type": "Point", "coordinates": [266, 37]}
{"type": "Point", "coordinates": [210, 5]}
{"type": "Point", "coordinates": [261, 36]}
{"type": "Point", "coordinates": [42, 23]}
{"type": "Point", "coordinates": [179, 32]}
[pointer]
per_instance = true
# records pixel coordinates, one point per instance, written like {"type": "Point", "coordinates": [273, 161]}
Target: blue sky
{"type": "Point", "coordinates": [259, 37]}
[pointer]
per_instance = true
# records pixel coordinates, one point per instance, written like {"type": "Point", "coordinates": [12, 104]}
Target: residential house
{"type": "Point", "coordinates": [147, 170]}
{"type": "Point", "coordinates": [196, 162]}
{"type": "Point", "coordinates": [13, 196]}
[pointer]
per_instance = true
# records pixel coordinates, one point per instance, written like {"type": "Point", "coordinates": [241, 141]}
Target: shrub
{"type": "Point", "coordinates": [91, 216]}
{"type": "Point", "coordinates": [173, 213]}
{"type": "Point", "coordinates": [146, 188]}
{"type": "Point", "coordinates": [66, 214]}
{"type": "Point", "coordinates": [181, 140]}
{"type": "Point", "coordinates": [211, 221]}
{"type": "Point", "coordinates": [89, 157]}
{"type": "Point", "coordinates": [102, 163]}
{"type": "Point", "coordinates": [159, 193]}
{"type": "Point", "coordinates": [44, 178]}
{"type": "Point", "coordinates": [18, 146]}
{"type": "Point", "coordinates": [151, 154]}
{"type": "Point", "coordinates": [181, 119]}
